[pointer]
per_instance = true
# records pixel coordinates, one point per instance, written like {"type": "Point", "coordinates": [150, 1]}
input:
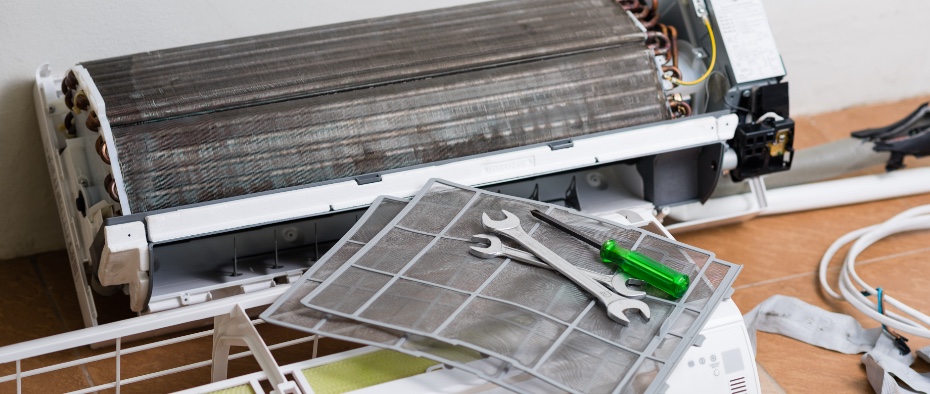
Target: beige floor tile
{"type": "Point", "coordinates": [806, 134]}
{"type": "Point", "coordinates": [784, 245]}
{"type": "Point", "coordinates": [840, 124]}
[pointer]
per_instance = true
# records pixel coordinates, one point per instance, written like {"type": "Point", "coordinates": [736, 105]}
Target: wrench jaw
{"type": "Point", "coordinates": [621, 286]}
{"type": "Point", "coordinates": [616, 310]}
{"type": "Point", "coordinates": [510, 221]}
{"type": "Point", "coordinates": [510, 227]}
{"type": "Point", "coordinates": [494, 249]}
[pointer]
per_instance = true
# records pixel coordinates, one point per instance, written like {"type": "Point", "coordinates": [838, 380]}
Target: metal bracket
{"type": "Point", "coordinates": [700, 8]}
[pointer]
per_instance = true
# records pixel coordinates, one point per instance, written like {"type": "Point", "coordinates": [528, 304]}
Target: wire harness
{"type": "Point", "coordinates": [857, 292]}
{"type": "Point", "coordinates": [713, 58]}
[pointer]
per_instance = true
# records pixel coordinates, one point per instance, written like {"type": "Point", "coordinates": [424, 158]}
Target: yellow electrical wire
{"type": "Point", "coordinates": [713, 59]}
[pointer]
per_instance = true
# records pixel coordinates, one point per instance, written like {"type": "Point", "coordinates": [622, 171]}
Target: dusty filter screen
{"type": "Point", "coordinates": [415, 288]}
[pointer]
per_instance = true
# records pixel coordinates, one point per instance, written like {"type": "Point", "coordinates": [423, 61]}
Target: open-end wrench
{"type": "Point", "coordinates": [616, 304]}
{"type": "Point", "coordinates": [496, 248]}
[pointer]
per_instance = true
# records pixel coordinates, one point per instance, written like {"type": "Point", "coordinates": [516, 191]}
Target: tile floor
{"type": "Point", "coordinates": [780, 255]}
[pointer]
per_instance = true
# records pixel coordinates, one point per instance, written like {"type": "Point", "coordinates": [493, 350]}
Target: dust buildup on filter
{"type": "Point", "coordinates": [449, 264]}
{"type": "Point", "coordinates": [540, 290]}
{"type": "Point", "coordinates": [436, 210]}
{"type": "Point", "coordinates": [395, 249]}
{"type": "Point", "coordinates": [683, 323]}
{"type": "Point", "coordinates": [413, 305]}
{"type": "Point", "coordinates": [666, 347]}
{"type": "Point", "coordinates": [379, 218]}
{"type": "Point", "coordinates": [464, 229]}
{"type": "Point", "coordinates": [588, 364]}
{"type": "Point", "coordinates": [323, 269]}
{"type": "Point", "coordinates": [636, 336]}
{"type": "Point", "coordinates": [572, 249]}
{"type": "Point", "coordinates": [504, 329]}
{"type": "Point", "coordinates": [350, 290]}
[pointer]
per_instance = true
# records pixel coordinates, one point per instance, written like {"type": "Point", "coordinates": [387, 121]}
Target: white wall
{"type": "Point", "coordinates": [838, 53]}
{"type": "Point", "coordinates": [841, 53]}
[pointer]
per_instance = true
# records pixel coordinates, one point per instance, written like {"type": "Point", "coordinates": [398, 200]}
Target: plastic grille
{"type": "Point", "coordinates": [505, 330]}
{"type": "Point", "coordinates": [464, 229]}
{"type": "Point", "coordinates": [439, 209]}
{"type": "Point", "coordinates": [414, 305]}
{"type": "Point", "coordinates": [288, 311]}
{"type": "Point", "coordinates": [644, 377]}
{"type": "Point", "coordinates": [683, 323]}
{"type": "Point", "coordinates": [399, 247]}
{"type": "Point", "coordinates": [593, 366]}
{"type": "Point", "coordinates": [666, 347]}
{"type": "Point", "coordinates": [540, 290]}
{"type": "Point", "coordinates": [387, 211]}
{"type": "Point", "coordinates": [351, 290]}
{"type": "Point", "coordinates": [635, 336]}
{"type": "Point", "coordinates": [327, 267]}
{"type": "Point", "coordinates": [461, 272]}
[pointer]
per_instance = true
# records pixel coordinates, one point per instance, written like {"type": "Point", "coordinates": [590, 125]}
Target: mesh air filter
{"type": "Point", "coordinates": [527, 318]}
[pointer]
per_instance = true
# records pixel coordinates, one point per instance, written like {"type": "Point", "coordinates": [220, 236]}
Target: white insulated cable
{"type": "Point", "coordinates": [852, 286]}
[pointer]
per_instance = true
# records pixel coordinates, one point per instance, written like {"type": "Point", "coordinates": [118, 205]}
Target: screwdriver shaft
{"type": "Point", "coordinates": [566, 228]}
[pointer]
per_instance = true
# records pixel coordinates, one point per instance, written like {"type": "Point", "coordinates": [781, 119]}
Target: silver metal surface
{"type": "Point", "coordinates": [322, 60]}
{"type": "Point", "coordinates": [223, 154]}
{"type": "Point", "coordinates": [616, 304]}
{"type": "Point", "coordinates": [292, 109]}
{"type": "Point", "coordinates": [496, 249]}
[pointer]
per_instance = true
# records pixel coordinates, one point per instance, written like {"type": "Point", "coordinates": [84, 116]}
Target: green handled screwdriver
{"type": "Point", "coordinates": [633, 263]}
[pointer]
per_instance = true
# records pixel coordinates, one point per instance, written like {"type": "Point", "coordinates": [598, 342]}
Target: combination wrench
{"type": "Point", "coordinates": [495, 248]}
{"type": "Point", "coordinates": [616, 305]}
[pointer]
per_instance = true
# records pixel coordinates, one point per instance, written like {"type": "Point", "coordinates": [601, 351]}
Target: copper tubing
{"type": "Point", "coordinates": [658, 42]}
{"type": "Point", "coordinates": [680, 108]}
{"type": "Point", "coordinates": [652, 22]}
{"type": "Point", "coordinates": [628, 5]}
{"type": "Point", "coordinates": [69, 82]}
{"type": "Point", "coordinates": [676, 73]}
{"type": "Point", "coordinates": [81, 101]}
{"type": "Point", "coordinates": [101, 148]}
{"type": "Point", "coordinates": [110, 184]}
{"type": "Point", "coordinates": [673, 37]}
{"type": "Point", "coordinates": [70, 127]}
{"type": "Point", "coordinates": [92, 122]}
{"type": "Point", "coordinates": [69, 99]}
{"type": "Point", "coordinates": [645, 12]}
